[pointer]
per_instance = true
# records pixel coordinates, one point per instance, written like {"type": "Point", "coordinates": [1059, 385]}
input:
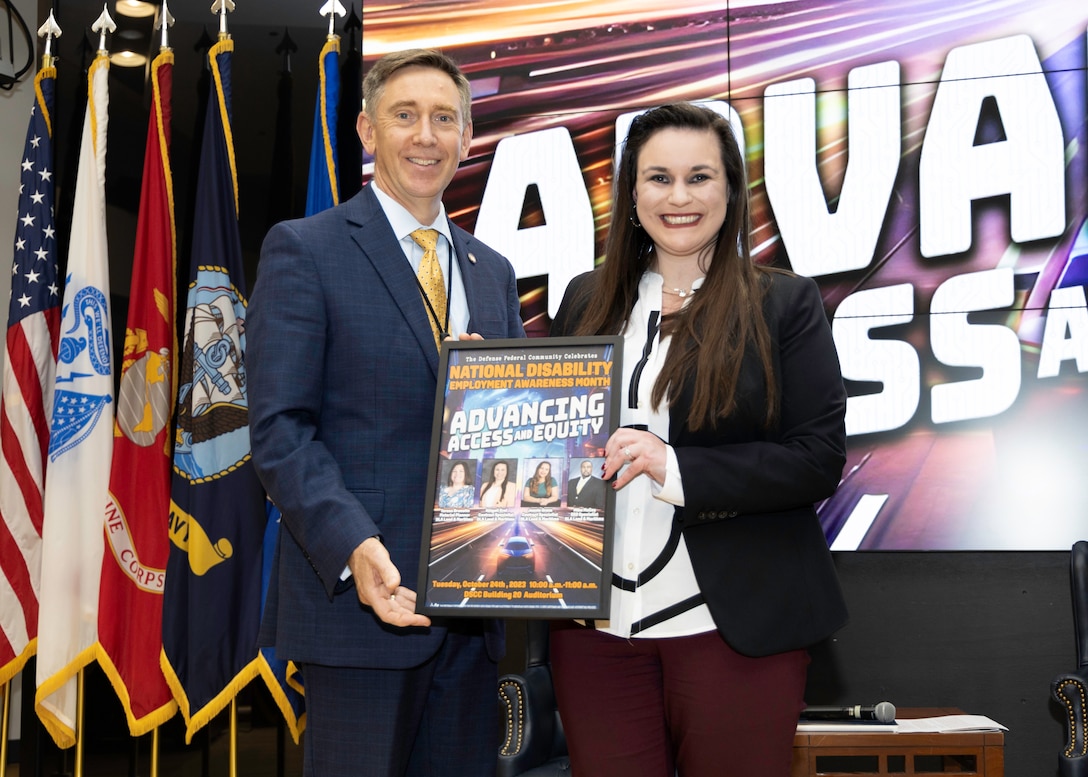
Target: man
{"type": "Point", "coordinates": [343, 367]}
{"type": "Point", "coordinates": [586, 491]}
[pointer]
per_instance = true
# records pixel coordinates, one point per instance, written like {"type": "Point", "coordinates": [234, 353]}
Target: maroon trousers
{"type": "Point", "coordinates": [686, 705]}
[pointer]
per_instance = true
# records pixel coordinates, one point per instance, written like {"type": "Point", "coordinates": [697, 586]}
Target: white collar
{"type": "Point", "coordinates": [404, 223]}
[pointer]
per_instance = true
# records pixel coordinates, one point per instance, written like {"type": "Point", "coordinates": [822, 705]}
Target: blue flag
{"type": "Point", "coordinates": [211, 607]}
{"type": "Point", "coordinates": [284, 683]}
{"type": "Point", "coordinates": [321, 191]}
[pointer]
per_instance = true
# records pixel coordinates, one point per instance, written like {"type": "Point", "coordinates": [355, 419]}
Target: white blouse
{"type": "Point", "coordinates": [658, 596]}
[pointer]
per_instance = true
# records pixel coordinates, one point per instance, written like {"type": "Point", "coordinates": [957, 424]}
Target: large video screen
{"type": "Point", "coordinates": [925, 163]}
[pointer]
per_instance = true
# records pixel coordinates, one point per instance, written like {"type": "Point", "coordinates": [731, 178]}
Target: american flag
{"type": "Point", "coordinates": [32, 336]}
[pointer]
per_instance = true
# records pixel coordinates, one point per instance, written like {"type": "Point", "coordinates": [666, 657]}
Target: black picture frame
{"type": "Point", "coordinates": [507, 542]}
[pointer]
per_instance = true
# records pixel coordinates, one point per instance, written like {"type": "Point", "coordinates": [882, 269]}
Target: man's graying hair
{"type": "Point", "coordinates": [382, 70]}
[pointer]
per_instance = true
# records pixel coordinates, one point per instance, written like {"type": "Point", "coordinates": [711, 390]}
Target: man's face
{"type": "Point", "coordinates": [587, 469]}
{"type": "Point", "coordinates": [418, 136]}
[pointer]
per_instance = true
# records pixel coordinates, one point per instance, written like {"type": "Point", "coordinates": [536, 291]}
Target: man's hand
{"type": "Point", "coordinates": [377, 583]}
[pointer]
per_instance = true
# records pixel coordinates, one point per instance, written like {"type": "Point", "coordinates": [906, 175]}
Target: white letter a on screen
{"type": "Point", "coordinates": [562, 247]}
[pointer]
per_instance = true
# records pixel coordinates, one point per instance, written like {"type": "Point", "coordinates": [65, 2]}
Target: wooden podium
{"type": "Point", "coordinates": [888, 754]}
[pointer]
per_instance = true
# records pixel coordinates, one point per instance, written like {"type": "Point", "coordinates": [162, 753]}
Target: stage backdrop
{"type": "Point", "coordinates": [925, 163]}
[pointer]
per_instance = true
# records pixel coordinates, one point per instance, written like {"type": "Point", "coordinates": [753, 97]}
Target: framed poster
{"type": "Point", "coordinates": [519, 522]}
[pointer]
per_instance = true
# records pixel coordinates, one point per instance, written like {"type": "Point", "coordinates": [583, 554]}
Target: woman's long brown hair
{"type": "Point", "coordinates": [711, 333]}
{"type": "Point", "coordinates": [537, 477]}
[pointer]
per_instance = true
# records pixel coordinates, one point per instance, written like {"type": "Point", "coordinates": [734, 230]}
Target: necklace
{"type": "Point", "coordinates": [679, 292]}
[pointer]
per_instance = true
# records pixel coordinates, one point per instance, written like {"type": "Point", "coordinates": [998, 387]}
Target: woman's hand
{"type": "Point", "coordinates": [641, 452]}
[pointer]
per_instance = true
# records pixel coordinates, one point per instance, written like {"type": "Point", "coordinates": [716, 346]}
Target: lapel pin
{"type": "Point", "coordinates": [472, 258]}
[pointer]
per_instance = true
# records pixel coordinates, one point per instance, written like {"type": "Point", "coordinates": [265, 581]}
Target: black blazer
{"type": "Point", "coordinates": [756, 546]}
{"type": "Point", "coordinates": [592, 493]}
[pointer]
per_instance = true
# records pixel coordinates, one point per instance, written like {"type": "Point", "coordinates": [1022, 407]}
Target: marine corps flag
{"type": "Point", "coordinates": [217, 514]}
{"type": "Point", "coordinates": [29, 367]}
{"type": "Point", "coordinates": [81, 438]}
{"type": "Point", "coordinates": [134, 564]}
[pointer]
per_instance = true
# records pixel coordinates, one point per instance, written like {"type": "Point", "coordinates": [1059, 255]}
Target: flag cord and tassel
{"type": "Point", "coordinates": [79, 724]}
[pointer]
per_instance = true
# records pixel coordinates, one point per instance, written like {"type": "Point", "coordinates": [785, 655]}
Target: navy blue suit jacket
{"type": "Point", "coordinates": [343, 372]}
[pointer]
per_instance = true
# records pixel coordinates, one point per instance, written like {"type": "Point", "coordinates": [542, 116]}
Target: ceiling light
{"type": "Point", "coordinates": [136, 8]}
{"type": "Point", "coordinates": [127, 58]}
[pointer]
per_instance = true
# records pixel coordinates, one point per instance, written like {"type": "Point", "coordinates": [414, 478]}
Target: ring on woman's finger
{"type": "Point", "coordinates": [627, 453]}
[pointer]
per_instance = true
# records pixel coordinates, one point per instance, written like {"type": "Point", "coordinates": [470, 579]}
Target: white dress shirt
{"type": "Point", "coordinates": [644, 510]}
{"type": "Point", "coordinates": [404, 224]}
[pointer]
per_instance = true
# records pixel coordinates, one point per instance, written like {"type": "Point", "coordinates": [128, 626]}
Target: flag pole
{"type": "Point", "coordinates": [222, 7]}
{"type": "Point", "coordinates": [234, 737]}
{"type": "Point", "coordinates": [332, 9]}
{"type": "Point", "coordinates": [163, 23]}
{"type": "Point", "coordinates": [49, 30]}
{"type": "Point", "coordinates": [155, 751]}
{"type": "Point", "coordinates": [103, 24]}
{"type": "Point", "coordinates": [85, 381]}
{"type": "Point", "coordinates": [4, 729]}
{"type": "Point", "coordinates": [79, 724]}
{"type": "Point", "coordinates": [321, 192]}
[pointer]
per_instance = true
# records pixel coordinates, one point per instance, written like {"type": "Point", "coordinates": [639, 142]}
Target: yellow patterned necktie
{"type": "Point", "coordinates": [431, 281]}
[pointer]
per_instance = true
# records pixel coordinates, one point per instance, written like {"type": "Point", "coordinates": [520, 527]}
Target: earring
{"type": "Point", "coordinates": [634, 216]}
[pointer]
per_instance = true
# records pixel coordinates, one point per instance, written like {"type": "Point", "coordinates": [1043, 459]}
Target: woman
{"type": "Point", "coordinates": [458, 491]}
{"type": "Point", "coordinates": [732, 427]}
{"type": "Point", "coordinates": [541, 490]}
{"type": "Point", "coordinates": [499, 491]}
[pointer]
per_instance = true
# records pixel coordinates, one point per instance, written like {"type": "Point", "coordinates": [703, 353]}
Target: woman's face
{"type": "Point", "coordinates": [543, 470]}
{"type": "Point", "coordinates": [498, 474]}
{"type": "Point", "coordinates": [457, 475]}
{"type": "Point", "coordinates": [681, 191]}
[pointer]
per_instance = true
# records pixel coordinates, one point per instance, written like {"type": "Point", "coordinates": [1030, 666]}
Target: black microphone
{"type": "Point", "coordinates": [884, 712]}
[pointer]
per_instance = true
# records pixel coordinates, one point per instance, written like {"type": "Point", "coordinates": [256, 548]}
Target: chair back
{"type": "Point", "coordinates": [533, 744]}
{"type": "Point", "coordinates": [1078, 577]}
{"type": "Point", "coordinates": [1071, 688]}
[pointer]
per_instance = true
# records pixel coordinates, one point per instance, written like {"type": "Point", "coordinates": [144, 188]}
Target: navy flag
{"type": "Point", "coordinates": [211, 606]}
